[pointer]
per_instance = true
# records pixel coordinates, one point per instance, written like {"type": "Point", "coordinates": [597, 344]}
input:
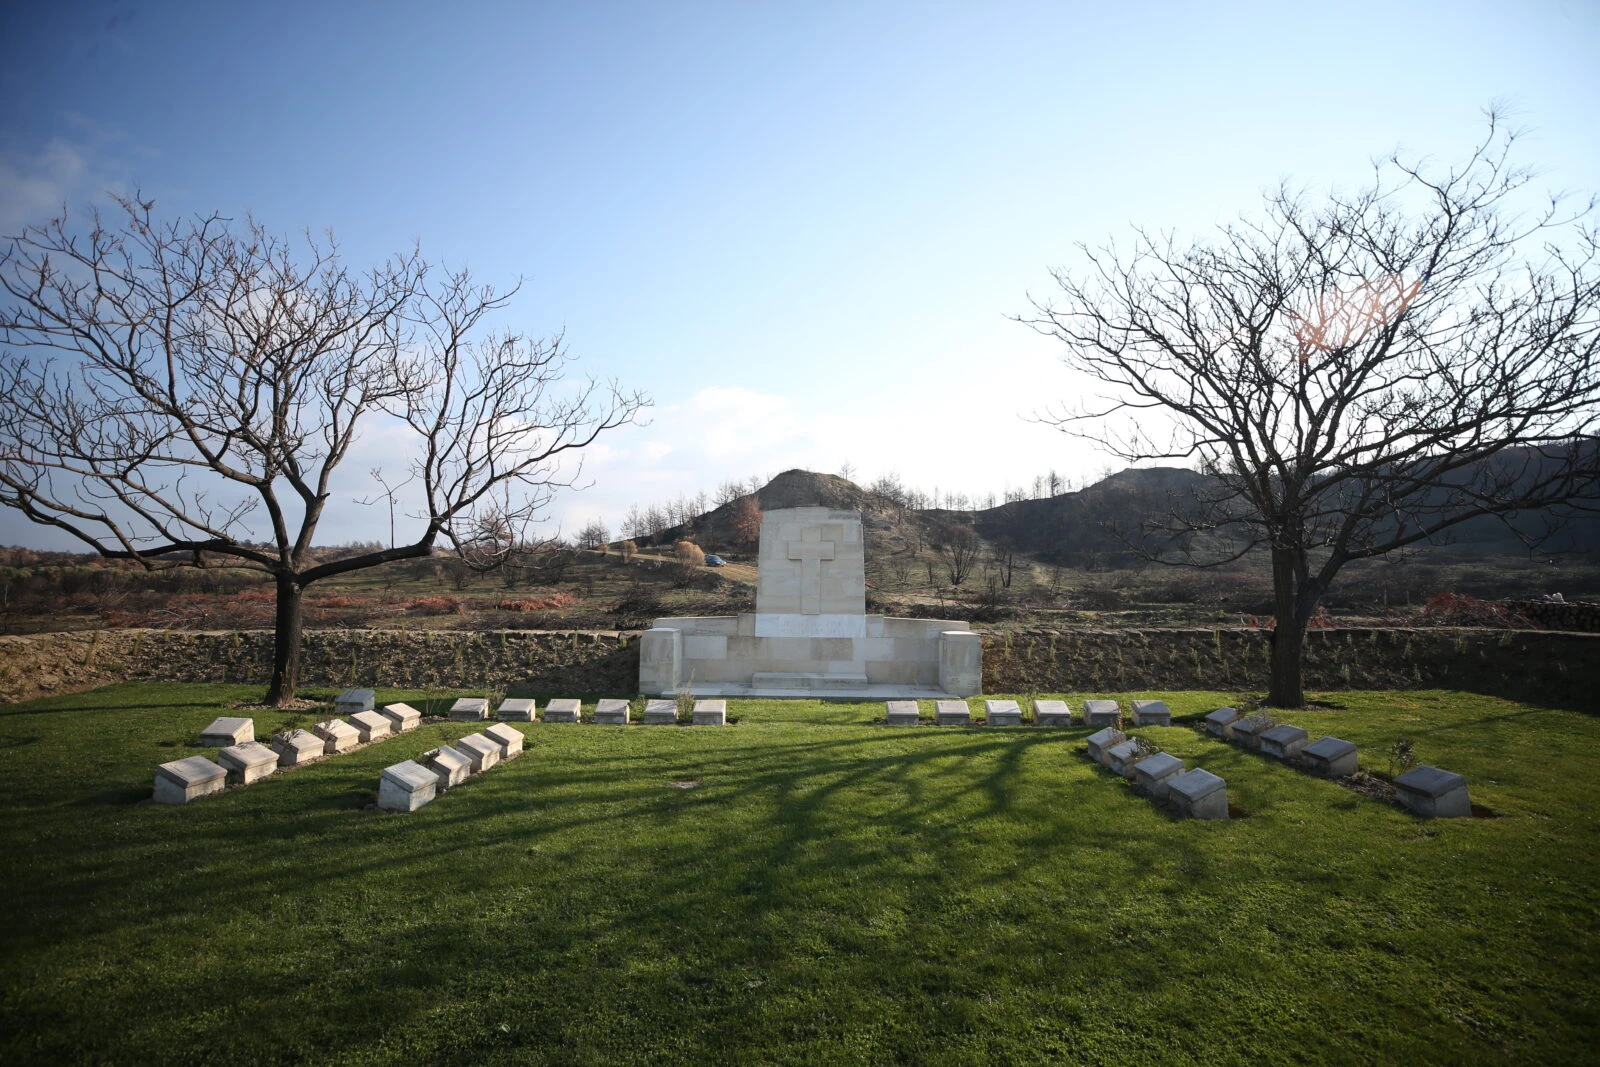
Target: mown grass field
{"type": "Point", "coordinates": [831, 891]}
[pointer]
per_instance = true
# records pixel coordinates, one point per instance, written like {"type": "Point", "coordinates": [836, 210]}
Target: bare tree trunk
{"type": "Point", "coordinates": [286, 646]}
{"type": "Point", "coordinates": [1285, 688]}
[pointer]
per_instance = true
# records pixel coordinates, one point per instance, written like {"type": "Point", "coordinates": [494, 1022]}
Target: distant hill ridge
{"type": "Point", "coordinates": [1087, 527]}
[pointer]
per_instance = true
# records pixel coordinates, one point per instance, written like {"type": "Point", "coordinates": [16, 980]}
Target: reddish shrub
{"type": "Point", "coordinates": [549, 602]}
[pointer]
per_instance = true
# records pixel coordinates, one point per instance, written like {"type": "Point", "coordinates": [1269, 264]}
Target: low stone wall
{"type": "Point", "coordinates": [1573, 615]}
{"type": "Point", "coordinates": [1561, 667]}
{"type": "Point", "coordinates": [547, 661]}
{"type": "Point", "coordinates": [1554, 666]}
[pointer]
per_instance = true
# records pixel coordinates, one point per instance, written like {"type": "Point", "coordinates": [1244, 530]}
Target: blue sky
{"type": "Point", "coordinates": [799, 227]}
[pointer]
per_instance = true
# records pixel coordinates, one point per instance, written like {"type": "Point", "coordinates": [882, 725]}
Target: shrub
{"type": "Point", "coordinates": [628, 550]}
{"type": "Point", "coordinates": [549, 602]}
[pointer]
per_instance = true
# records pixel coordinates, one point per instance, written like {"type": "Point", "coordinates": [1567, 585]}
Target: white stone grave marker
{"type": "Point", "coordinates": [1329, 757]}
{"type": "Point", "coordinates": [339, 736]}
{"type": "Point", "coordinates": [509, 738]}
{"type": "Point", "coordinates": [1002, 713]}
{"type": "Point", "coordinates": [517, 709]}
{"type": "Point", "coordinates": [249, 762]}
{"type": "Point", "coordinates": [371, 725]}
{"type": "Point", "coordinates": [661, 712]}
{"type": "Point", "coordinates": [1284, 742]}
{"type": "Point", "coordinates": [1151, 713]}
{"type": "Point", "coordinates": [611, 712]}
{"type": "Point", "coordinates": [901, 713]}
{"type": "Point", "coordinates": [1051, 713]}
{"type": "Point", "coordinates": [483, 752]}
{"type": "Point", "coordinates": [1433, 794]}
{"type": "Point", "coordinates": [406, 787]}
{"type": "Point", "coordinates": [1151, 774]}
{"type": "Point", "coordinates": [469, 709]}
{"type": "Point", "coordinates": [295, 747]}
{"type": "Point", "coordinates": [228, 730]}
{"type": "Point", "coordinates": [710, 713]}
{"type": "Point", "coordinates": [1100, 712]}
{"type": "Point", "coordinates": [452, 766]}
{"type": "Point", "coordinates": [188, 779]}
{"type": "Point", "coordinates": [563, 709]}
{"type": "Point", "coordinates": [1198, 794]}
{"type": "Point", "coordinates": [402, 717]}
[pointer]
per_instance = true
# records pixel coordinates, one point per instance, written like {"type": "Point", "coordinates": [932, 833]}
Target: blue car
{"type": "Point", "coordinates": [716, 561]}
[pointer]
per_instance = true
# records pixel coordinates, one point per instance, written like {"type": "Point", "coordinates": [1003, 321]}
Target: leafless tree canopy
{"type": "Point", "coordinates": [185, 390]}
{"type": "Point", "coordinates": [1360, 372]}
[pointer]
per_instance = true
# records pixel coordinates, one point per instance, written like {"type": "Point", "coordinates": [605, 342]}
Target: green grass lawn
{"type": "Point", "coordinates": [832, 891]}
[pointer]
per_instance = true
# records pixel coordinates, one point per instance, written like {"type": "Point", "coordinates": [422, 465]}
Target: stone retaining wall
{"type": "Point", "coordinates": [1539, 665]}
{"type": "Point", "coordinates": [545, 661]}
{"type": "Point", "coordinates": [1554, 666]}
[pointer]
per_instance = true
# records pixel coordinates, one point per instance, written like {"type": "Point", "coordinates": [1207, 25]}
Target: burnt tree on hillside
{"type": "Point", "coordinates": [1358, 374]}
{"type": "Point", "coordinates": [960, 547]}
{"type": "Point", "coordinates": [181, 393]}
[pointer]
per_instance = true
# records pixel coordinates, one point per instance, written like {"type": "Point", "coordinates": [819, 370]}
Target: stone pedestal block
{"type": "Point", "coordinates": [1002, 713]}
{"type": "Point", "coordinates": [564, 709]}
{"type": "Point", "coordinates": [509, 738]}
{"type": "Point", "coordinates": [483, 752]}
{"type": "Point", "coordinates": [402, 717]}
{"type": "Point", "coordinates": [295, 747]}
{"type": "Point", "coordinates": [951, 713]}
{"type": "Point", "coordinates": [1151, 774]}
{"type": "Point", "coordinates": [660, 660]}
{"type": "Point", "coordinates": [1247, 730]}
{"type": "Point", "coordinates": [188, 779]}
{"type": "Point", "coordinates": [1198, 794]}
{"type": "Point", "coordinates": [248, 762]}
{"type": "Point", "coordinates": [469, 709]}
{"type": "Point", "coordinates": [371, 726]}
{"type": "Point", "coordinates": [1121, 757]}
{"type": "Point", "coordinates": [516, 709]}
{"type": "Point", "coordinates": [710, 713]}
{"type": "Point", "coordinates": [1219, 723]}
{"type": "Point", "coordinates": [352, 701]}
{"type": "Point", "coordinates": [960, 663]}
{"type": "Point", "coordinates": [406, 787]}
{"type": "Point", "coordinates": [451, 766]}
{"type": "Point", "coordinates": [1151, 713]}
{"type": "Point", "coordinates": [1433, 794]}
{"type": "Point", "coordinates": [1329, 757]}
{"type": "Point", "coordinates": [1101, 740]}
{"type": "Point", "coordinates": [1100, 712]}
{"type": "Point", "coordinates": [337, 735]}
{"type": "Point", "coordinates": [660, 712]}
{"type": "Point", "coordinates": [228, 730]}
{"type": "Point", "coordinates": [1051, 713]}
{"type": "Point", "coordinates": [1284, 742]}
{"type": "Point", "coordinates": [611, 712]}
{"type": "Point", "coordinates": [902, 712]}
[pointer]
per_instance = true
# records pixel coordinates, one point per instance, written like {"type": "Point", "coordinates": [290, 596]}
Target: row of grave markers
{"type": "Point", "coordinates": [608, 712]}
{"type": "Point", "coordinates": [1193, 794]}
{"type": "Point", "coordinates": [1045, 713]}
{"type": "Point", "coordinates": [242, 759]}
{"type": "Point", "coordinates": [1426, 791]}
{"type": "Point", "coordinates": [408, 785]}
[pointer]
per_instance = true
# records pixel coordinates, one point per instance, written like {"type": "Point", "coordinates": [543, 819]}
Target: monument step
{"type": "Point", "coordinates": [782, 680]}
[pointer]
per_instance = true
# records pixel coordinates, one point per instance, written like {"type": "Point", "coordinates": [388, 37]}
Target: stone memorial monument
{"type": "Point", "coordinates": [810, 634]}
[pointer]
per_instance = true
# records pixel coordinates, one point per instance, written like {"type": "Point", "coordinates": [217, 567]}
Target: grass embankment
{"type": "Point", "coordinates": [830, 891]}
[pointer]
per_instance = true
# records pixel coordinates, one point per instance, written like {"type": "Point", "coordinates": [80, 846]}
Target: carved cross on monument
{"type": "Point", "coordinates": [811, 550]}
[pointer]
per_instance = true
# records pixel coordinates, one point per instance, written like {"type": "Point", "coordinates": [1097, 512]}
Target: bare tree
{"type": "Point", "coordinates": [1359, 373]}
{"type": "Point", "coordinates": [594, 535]}
{"type": "Point", "coordinates": [182, 393]}
{"type": "Point", "coordinates": [961, 549]}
